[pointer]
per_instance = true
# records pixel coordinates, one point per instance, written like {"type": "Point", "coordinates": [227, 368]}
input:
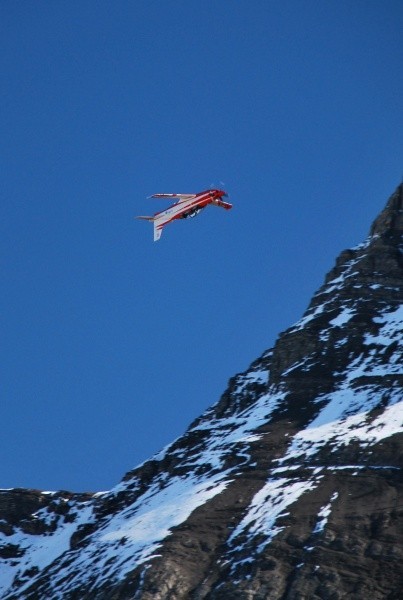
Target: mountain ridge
{"type": "Point", "coordinates": [288, 487]}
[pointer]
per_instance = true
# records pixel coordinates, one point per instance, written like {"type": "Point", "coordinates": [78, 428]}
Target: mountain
{"type": "Point", "coordinates": [290, 487]}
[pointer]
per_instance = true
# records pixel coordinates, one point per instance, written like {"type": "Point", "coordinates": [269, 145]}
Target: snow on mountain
{"type": "Point", "coordinates": [288, 487]}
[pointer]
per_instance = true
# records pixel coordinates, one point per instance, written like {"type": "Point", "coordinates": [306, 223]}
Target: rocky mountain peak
{"type": "Point", "coordinates": [365, 282]}
{"type": "Point", "coordinates": [288, 487]}
{"type": "Point", "coordinates": [390, 220]}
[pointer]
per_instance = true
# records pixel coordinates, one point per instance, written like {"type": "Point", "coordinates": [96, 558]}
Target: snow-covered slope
{"type": "Point", "coordinates": [289, 487]}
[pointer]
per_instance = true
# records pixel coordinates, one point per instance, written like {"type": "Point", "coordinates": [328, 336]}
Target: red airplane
{"type": "Point", "coordinates": [188, 205]}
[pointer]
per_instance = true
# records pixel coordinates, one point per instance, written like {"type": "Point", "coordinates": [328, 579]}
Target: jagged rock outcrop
{"type": "Point", "coordinates": [290, 487]}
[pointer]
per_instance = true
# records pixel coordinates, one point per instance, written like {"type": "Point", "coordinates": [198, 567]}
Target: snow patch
{"type": "Point", "coordinates": [38, 551]}
{"type": "Point", "coordinates": [391, 330]}
{"type": "Point", "coordinates": [324, 513]}
{"type": "Point", "coordinates": [343, 317]}
{"type": "Point", "coordinates": [267, 505]}
{"type": "Point", "coordinates": [144, 526]}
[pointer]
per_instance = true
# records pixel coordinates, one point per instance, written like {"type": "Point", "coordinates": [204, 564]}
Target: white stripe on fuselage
{"type": "Point", "coordinates": [165, 216]}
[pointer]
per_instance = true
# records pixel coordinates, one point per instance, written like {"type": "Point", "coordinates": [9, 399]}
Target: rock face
{"type": "Point", "coordinates": [290, 487]}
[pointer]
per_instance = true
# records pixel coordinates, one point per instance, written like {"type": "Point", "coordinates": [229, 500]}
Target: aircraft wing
{"type": "Point", "coordinates": [180, 196]}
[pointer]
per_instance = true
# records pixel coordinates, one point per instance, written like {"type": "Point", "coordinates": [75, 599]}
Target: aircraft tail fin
{"type": "Point", "coordinates": [157, 231]}
{"type": "Point", "coordinates": [157, 228]}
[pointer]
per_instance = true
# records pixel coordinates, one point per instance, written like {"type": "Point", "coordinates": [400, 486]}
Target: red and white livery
{"type": "Point", "coordinates": [187, 206]}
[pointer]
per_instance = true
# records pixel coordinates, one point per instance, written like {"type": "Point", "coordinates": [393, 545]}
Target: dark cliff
{"type": "Point", "coordinates": [290, 487]}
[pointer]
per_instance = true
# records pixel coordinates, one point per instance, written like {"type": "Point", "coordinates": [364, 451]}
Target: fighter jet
{"type": "Point", "coordinates": [186, 206]}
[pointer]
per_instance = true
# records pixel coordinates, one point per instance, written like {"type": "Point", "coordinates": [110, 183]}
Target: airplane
{"type": "Point", "coordinates": [187, 206]}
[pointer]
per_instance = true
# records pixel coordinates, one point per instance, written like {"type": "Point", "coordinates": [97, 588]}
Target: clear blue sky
{"type": "Point", "coordinates": [112, 344]}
